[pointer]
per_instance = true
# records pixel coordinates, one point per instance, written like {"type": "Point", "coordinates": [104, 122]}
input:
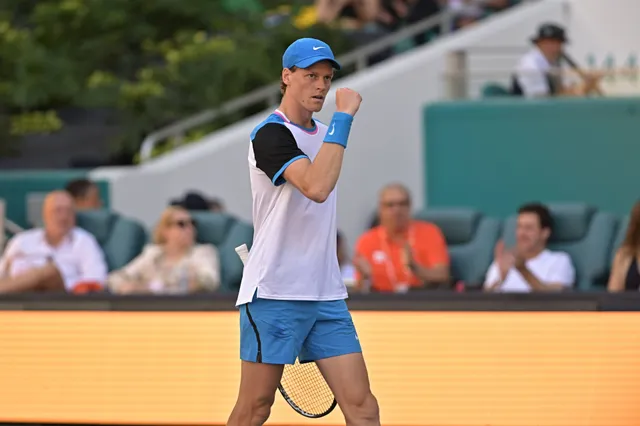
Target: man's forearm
{"type": "Point", "coordinates": [535, 283]}
{"type": "Point", "coordinates": [323, 173]}
{"type": "Point", "coordinates": [436, 275]}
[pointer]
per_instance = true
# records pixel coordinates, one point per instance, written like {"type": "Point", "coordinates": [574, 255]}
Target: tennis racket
{"type": "Point", "coordinates": [302, 384]}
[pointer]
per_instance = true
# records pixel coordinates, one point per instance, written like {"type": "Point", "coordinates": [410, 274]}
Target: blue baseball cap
{"type": "Point", "coordinates": [305, 52]}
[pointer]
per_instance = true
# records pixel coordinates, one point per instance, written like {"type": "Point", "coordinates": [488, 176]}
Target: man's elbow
{"type": "Point", "coordinates": [318, 196]}
{"type": "Point", "coordinates": [316, 193]}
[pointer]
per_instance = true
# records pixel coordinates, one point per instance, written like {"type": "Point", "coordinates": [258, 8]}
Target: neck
{"type": "Point", "coordinates": [532, 253]}
{"type": "Point", "coordinates": [295, 113]}
{"type": "Point", "coordinates": [174, 251]}
{"type": "Point", "coordinates": [397, 232]}
{"type": "Point", "coordinates": [53, 240]}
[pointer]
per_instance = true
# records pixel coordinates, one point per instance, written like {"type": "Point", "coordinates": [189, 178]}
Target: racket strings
{"type": "Point", "coordinates": [306, 388]}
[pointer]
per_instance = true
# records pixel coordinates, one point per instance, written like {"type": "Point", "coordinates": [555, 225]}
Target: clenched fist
{"type": "Point", "coordinates": [348, 101]}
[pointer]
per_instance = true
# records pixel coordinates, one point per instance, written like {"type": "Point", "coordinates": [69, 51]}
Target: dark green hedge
{"type": "Point", "coordinates": [152, 62]}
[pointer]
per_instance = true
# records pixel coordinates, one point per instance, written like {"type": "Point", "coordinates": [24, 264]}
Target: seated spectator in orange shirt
{"type": "Point", "coordinates": [400, 253]}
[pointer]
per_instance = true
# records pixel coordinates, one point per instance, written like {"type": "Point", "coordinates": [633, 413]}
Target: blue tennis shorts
{"type": "Point", "coordinates": [278, 331]}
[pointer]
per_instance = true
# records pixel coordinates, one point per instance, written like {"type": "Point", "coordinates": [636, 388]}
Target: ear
{"type": "Point", "coordinates": [286, 76]}
{"type": "Point", "coordinates": [546, 233]}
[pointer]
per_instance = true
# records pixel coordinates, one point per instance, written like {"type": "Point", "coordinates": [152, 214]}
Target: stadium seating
{"type": "Point", "coordinates": [226, 233]}
{"type": "Point", "coordinates": [585, 234]}
{"type": "Point", "coordinates": [121, 239]}
{"type": "Point", "coordinates": [471, 238]}
{"type": "Point", "coordinates": [622, 230]}
{"type": "Point", "coordinates": [494, 90]}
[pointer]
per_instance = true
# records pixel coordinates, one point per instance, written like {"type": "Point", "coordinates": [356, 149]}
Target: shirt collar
{"type": "Point", "coordinates": [66, 240]}
{"type": "Point", "coordinates": [384, 234]}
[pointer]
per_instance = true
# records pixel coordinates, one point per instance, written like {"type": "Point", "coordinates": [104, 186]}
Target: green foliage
{"type": "Point", "coordinates": [35, 122]}
{"type": "Point", "coordinates": [154, 62]}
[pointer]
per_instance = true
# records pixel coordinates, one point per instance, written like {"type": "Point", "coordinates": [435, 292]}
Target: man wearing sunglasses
{"type": "Point", "coordinates": [400, 253]}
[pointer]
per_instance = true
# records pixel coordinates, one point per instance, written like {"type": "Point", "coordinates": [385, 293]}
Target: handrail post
{"type": "Point", "coordinates": [456, 75]}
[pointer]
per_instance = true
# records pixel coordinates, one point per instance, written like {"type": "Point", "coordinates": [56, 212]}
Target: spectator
{"type": "Point", "coordinates": [86, 194]}
{"type": "Point", "coordinates": [400, 253]}
{"type": "Point", "coordinates": [530, 266]}
{"type": "Point", "coordinates": [346, 267]}
{"type": "Point", "coordinates": [467, 12]}
{"type": "Point", "coordinates": [625, 270]}
{"type": "Point", "coordinates": [393, 14]}
{"type": "Point", "coordinates": [174, 264]}
{"type": "Point", "coordinates": [538, 73]}
{"type": "Point", "coordinates": [349, 14]}
{"type": "Point", "coordinates": [59, 256]}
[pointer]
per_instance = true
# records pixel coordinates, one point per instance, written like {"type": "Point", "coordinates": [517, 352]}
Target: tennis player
{"type": "Point", "coordinates": [292, 297]}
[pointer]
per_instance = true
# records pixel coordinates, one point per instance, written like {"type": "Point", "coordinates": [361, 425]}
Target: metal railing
{"type": "Point", "coordinates": [459, 79]}
{"type": "Point", "coordinates": [271, 93]}
{"type": "Point", "coordinates": [6, 225]}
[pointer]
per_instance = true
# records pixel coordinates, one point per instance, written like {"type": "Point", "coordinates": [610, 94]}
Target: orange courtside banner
{"type": "Point", "coordinates": [426, 368]}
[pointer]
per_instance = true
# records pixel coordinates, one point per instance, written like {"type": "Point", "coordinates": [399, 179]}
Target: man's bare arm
{"type": "Point", "coordinates": [536, 284]}
{"type": "Point", "coordinates": [317, 179]}
{"type": "Point", "coordinates": [438, 274]}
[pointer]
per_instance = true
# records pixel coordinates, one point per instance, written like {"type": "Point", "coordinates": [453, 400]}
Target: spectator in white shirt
{"type": "Point", "coordinates": [56, 257]}
{"type": "Point", "coordinates": [539, 72]}
{"type": "Point", "coordinates": [530, 266]}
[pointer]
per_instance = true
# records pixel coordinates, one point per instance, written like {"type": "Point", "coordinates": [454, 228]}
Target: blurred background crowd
{"type": "Point", "coordinates": [83, 83]}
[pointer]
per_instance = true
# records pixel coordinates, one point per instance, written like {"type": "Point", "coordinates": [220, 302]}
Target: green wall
{"type": "Point", "coordinates": [15, 185]}
{"type": "Point", "coordinates": [497, 154]}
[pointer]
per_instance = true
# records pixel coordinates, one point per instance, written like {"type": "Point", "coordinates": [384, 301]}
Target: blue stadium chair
{"type": "Point", "coordinates": [494, 90]}
{"type": "Point", "coordinates": [622, 231]}
{"type": "Point", "coordinates": [471, 238]}
{"type": "Point", "coordinates": [582, 232]}
{"type": "Point", "coordinates": [226, 233]}
{"type": "Point", "coordinates": [121, 239]}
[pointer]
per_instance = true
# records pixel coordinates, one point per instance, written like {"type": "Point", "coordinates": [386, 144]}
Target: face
{"type": "Point", "coordinates": [91, 199]}
{"type": "Point", "coordinates": [530, 236]}
{"type": "Point", "coordinates": [309, 85]}
{"type": "Point", "coordinates": [59, 215]}
{"type": "Point", "coordinates": [181, 230]}
{"type": "Point", "coordinates": [394, 208]}
{"type": "Point", "coordinates": [551, 48]}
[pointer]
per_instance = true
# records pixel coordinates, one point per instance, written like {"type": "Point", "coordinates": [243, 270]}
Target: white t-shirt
{"type": "Point", "coordinates": [348, 272]}
{"type": "Point", "coordinates": [549, 267]}
{"type": "Point", "coordinates": [78, 257]}
{"type": "Point", "coordinates": [293, 256]}
{"type": "Point", "coordinates": [466, 8]}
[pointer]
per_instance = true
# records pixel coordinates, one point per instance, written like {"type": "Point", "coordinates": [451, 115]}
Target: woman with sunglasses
{"type": "Point", "coordinates": [174, 264]}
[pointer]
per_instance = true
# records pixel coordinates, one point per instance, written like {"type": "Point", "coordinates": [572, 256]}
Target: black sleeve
{"type": "Point", "coordinates": [275, 148]}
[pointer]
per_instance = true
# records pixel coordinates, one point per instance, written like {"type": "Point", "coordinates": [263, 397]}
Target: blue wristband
{"type": "Point", "coordinates": [339, 128]}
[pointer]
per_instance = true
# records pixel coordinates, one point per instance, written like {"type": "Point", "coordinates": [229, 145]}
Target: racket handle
{"type": "Point", "coordinates": [243, 253]}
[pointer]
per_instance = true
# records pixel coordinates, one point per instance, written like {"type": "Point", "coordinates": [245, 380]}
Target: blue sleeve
{"type": "Point", "coordinates": [274, 149]}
